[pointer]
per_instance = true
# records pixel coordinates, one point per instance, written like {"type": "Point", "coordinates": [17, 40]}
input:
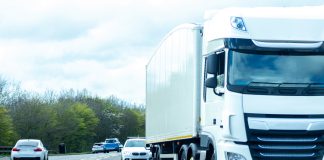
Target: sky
{"type": "Point", "coordinates": [98, 45]}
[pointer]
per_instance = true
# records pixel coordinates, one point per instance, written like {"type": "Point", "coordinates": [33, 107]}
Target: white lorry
{"type": "Point", "coordinates": [248, 84]}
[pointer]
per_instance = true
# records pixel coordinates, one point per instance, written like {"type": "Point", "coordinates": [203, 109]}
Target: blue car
{"type": "Point", "coordinates": [112, 144]}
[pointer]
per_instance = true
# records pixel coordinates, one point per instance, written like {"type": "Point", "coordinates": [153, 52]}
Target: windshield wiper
{"type": "Point", "coordinates": [315, 89]}
{"type": "Point", "coordinates": [265, 88]}
{"type": "Point", "coordinates": [281, 88]}
{"type": "Point", "coordinates": [259, 87]}
{"type": "Point", "coordinates": [263, 84]}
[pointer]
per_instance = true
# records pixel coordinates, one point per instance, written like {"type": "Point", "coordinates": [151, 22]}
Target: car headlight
{"type": "Point", "coordinates": [126, 153]}
{"type": "Point", "coordinates": [234, 156]}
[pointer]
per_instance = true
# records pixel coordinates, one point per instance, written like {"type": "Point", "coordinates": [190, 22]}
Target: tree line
{"type": "Point", "coordinates": [75, 118]}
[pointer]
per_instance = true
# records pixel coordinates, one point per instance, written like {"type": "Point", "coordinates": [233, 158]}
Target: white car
{"type": "Point", "coordinates": [29, 148]}
{"type": "Point", "coordinates": [97, 147]}
{"type": "Point", "coordinates": [136, 149]}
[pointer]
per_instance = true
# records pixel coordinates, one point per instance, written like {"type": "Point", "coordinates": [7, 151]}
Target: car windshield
{"type": "Point", "coordinates": [110, 141]}
{"type": "Point", "coordinates": [265, 67]}
{"type": "Point", "coordinates": [27, 143]}
{"type": "Point", "coordinates": [135, 143]}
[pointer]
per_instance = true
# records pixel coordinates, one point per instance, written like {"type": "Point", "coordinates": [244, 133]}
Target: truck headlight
{"type": "Point", "coordinates": [234, 156]}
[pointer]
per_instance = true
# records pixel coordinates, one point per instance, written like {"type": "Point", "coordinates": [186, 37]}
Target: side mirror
{"type": "Point", "coordinates": [212, 64]}
{"type": "Point", "coordinates": [215, 66]}
{"type": "Point", "coordinates": [148, 146]}
{"type": "Point", "coordinates": [211, 82]}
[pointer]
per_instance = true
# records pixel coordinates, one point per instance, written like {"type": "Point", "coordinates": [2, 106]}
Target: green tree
{"type": "Point", "coordinates": [73, 117]}
{"type": "Point", "coordinates": [77, 123]}
{"type": "Point", "coordinates": [34, 119]}
{"type": "Point", "coordinates": [7, 133]}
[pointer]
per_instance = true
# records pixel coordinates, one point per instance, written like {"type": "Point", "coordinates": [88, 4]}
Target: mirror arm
{"type": "Point", "coordinates": [218, 94]}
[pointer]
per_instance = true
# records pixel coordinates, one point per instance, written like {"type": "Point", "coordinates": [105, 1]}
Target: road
{"type": "Point", "coordinates": [98, 156]}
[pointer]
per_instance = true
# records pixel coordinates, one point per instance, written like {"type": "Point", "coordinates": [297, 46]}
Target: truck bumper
{"type": "Point", "coordinates": [229, 147]}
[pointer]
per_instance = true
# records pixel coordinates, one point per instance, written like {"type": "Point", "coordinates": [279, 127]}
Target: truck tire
{"type": "Point", "coordinates": [157, 153]}
{"type": "Point", "coordinates": [211, 155]}
{"type": "Point", "coordinates": [214, 156]}
{"type": "Point", "coordinates": [183, 152]}
{"type": "Point", "coordinates": [192, 152]}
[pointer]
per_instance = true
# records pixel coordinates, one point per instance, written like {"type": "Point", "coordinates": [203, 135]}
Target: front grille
{"type": "Point", "coordinates": [301, 145]}
{"type": "Point", "coordinates": [286, 144]}
{"type": "Point", "coordinates": [135, 153]}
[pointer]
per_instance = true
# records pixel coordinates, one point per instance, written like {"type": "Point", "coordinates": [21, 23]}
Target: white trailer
{"type": "Point", "coordinates": [248, 84]}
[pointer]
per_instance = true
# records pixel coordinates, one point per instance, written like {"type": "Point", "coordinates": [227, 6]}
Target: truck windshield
{"type": "Point", "coordinates": [247, 67]}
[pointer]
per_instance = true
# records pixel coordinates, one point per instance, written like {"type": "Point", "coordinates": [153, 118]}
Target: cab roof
{"type": "Point", "coordinates": [291, 24]}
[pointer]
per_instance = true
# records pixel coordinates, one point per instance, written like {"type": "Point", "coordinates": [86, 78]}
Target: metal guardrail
{"type": "Point", "coordinates": [5, 149]}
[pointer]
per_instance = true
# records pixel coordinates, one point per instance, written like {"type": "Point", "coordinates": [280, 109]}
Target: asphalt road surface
{"type": "Point", "coordinates": [98, 156]}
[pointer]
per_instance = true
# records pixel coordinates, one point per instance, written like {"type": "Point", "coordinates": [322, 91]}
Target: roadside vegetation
{"type": "Point", "coordinates": [75, 118]}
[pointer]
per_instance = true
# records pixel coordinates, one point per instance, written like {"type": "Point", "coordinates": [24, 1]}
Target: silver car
{"type": "Point", "coordinates": [97, 147]}
{"type": "Point", "coordinates": [29, 148]}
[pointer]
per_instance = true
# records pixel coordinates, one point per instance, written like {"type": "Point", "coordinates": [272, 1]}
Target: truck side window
{"type": "Point", "coordinates": [221, 71]}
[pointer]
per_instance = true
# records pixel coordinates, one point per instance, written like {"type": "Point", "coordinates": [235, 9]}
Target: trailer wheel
{"type": "Point", "coordinates": [192, 152]}
{"type": "Point", "coordinates": [157, 152]}
{"type": "Point", "coordinates": [183, 152]}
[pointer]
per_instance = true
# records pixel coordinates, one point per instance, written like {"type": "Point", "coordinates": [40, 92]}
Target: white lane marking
{"type": "Point", "coordinates": [102, 156]}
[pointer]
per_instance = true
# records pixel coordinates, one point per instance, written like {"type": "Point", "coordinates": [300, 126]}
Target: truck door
{"type": "Point", "coordinates": [213, 91]}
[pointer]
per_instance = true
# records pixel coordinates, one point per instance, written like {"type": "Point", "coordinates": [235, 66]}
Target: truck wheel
{"type": "Point", "coordinates": [211, 155]}
{"type": "Point", "coordinates": [214, 157]}
{"type": "Point", "coordinates": [183, 152]}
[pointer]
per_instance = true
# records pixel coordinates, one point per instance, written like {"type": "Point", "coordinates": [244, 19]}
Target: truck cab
{"type": "Point", "coordinates": [263, 83]}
